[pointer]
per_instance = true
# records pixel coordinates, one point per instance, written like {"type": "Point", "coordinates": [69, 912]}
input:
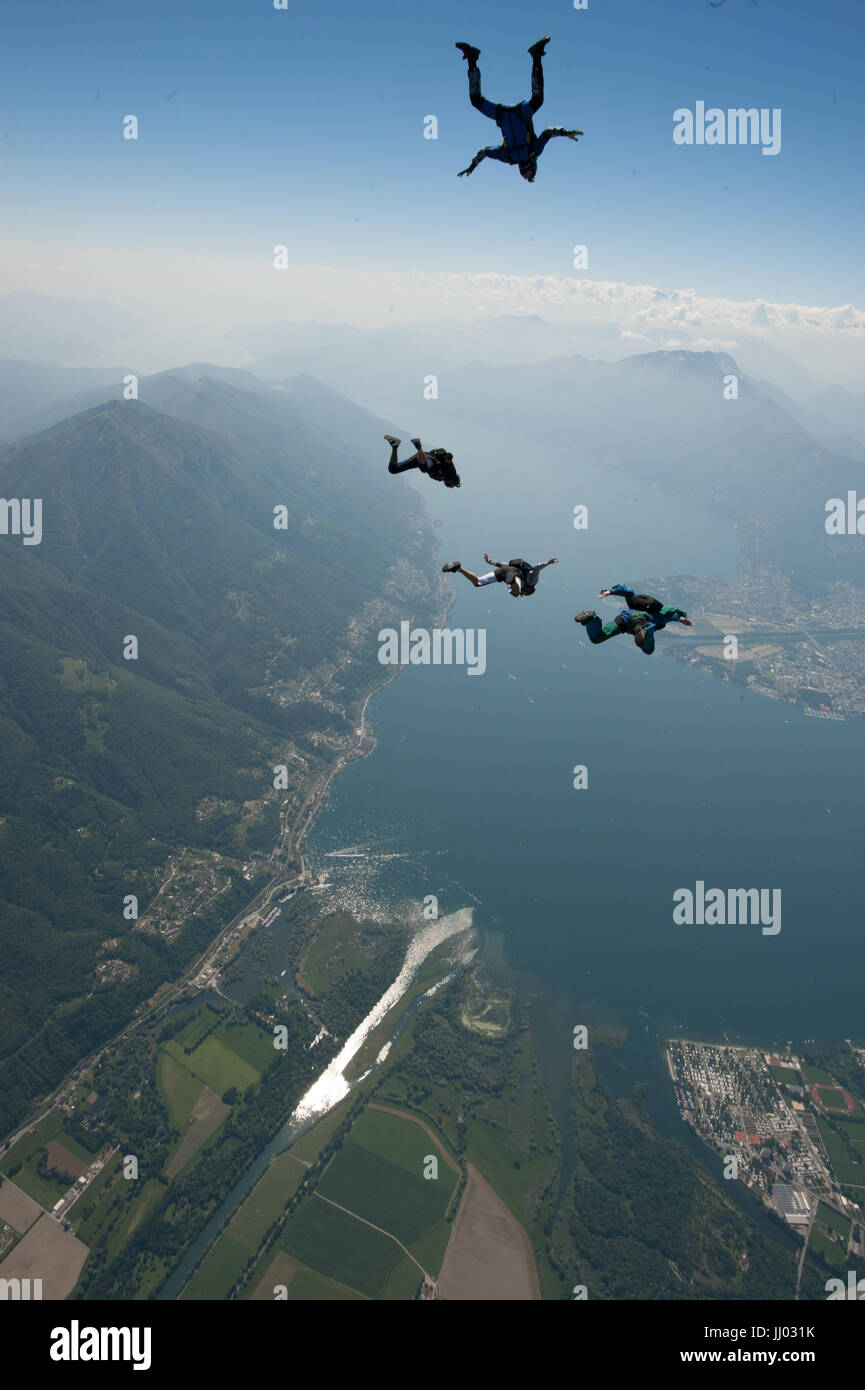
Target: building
{"type": "Point", "coordinates": [793, 1202]}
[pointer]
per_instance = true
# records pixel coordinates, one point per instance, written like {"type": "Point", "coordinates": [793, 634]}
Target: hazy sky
{"type": "Point", "coordinates": [305, 127]}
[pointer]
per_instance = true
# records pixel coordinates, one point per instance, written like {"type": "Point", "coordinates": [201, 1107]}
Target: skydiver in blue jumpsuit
{"type": "Point", "coordinates": [643, 617]}
{"type": "Point", "coordinates": [520, 145]}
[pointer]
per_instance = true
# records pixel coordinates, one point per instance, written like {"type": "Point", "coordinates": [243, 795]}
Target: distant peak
{"type": "Point", "coordinates": [678, 358]}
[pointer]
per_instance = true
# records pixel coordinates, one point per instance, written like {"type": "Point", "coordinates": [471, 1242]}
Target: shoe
{"type": "Point", "coordinates": [416, 443]}
{"type": "Point", "coordinates": [537, 49]}
{"type": "Point", "coordinates": [583, 617]}
{"type": "Point", "coordinates": [470, 54]}
{"type": "Point", "coordinates": [392, 439]}
{"type": "Point", "coordinates": [452, 568]}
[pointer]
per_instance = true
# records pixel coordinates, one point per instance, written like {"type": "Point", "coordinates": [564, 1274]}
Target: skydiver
{"type": "Point", "coordinates": [438, 464]}
{"type": "Point", "coordinates": [520, 145]}
{"type": "Point", "coordinates": [643, 617]}
{"type": "Point", "coordinates": [520, 577]}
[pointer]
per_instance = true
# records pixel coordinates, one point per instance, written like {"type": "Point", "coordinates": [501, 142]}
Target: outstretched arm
{"type": "Point", "coordinates": [675, 615]}
{"type": "Point", "coordinates": [554, 561]}
{"type": "Point", "coordinates": [551, 132]}
{"type": "Point", "coordinates": [481, 154]}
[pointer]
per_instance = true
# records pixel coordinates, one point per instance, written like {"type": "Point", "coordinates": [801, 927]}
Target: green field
{"type": "Point", "coordinates": [337, 948]}
{"type": "Point", "coordinates": [833, 1220]}
{"type": "Point", "coordinates": [832, 1097]}
{"type": "Point", "coordinates": [402, 1284]}
{"type": "Point", "coordinates": [86, 1223]}
{"type": "Point", "coordinates": [339, 1246]}
{"type": "Point", "coordinates": [397, 1139]}
{"type": "Point", "coordinates": [221, 1269]}
{"type": "Point", "coordinates": [194, 1030]}
{"type": "Point", "coordinates": [815, 1076]}
{"type": "Point", "coordinates": [307, 1286]}
{"type": "Point", "coordinates": [386, 1194]}
{"type": "Point", "coordinates": [822, 1245]}
{"type": "Point", "coordinates": [786, 1076]}
{"type": "Point", "coordinates": [47, 1129]}
{"type": "Point", "coordinates": [215, 1064]}
{"type": "Point", "coordinates": [179, 1088]}
{"type": "Point", "coordinates": [267, 1201]}
{"type": "Point", "coordinates": [26, 1152]}
{"type": "Point", "coordinates": [846, 1171]}
{"type": "Point", "coordinates": [144, 1201]}
{"type": "Point", "coordinates": [250, 1043]}
{"type": "Point", "coordinates": [302, 1284]}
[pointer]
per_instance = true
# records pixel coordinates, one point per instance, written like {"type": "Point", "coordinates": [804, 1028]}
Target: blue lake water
{"type": "Point", "coordinates": [469, 795]}
{"type": "Point", "coordinates": [689, 778]}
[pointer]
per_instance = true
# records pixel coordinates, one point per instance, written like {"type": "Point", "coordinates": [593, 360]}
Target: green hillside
{"type": "Point", "coordinates": [163, 529]}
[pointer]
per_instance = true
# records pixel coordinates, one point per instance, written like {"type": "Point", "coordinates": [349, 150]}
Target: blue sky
{"type": "Point", "coordinates": [305, 127]}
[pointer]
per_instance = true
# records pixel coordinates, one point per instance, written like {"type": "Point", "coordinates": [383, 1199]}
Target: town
{"type": "Point", "coordinates": [786, 1129]}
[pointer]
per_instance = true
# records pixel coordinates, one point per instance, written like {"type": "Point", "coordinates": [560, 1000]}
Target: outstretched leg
{"type": "Point", "coordinates": [421, 457]}
{"type": "Point", "coordinates": [537, 52]}
{"type": "Point", "coordinates": [598, 632]}
{"type": "Point", "coordinates": [393, 466]}
{"type": "Point", "coordinates": [478, 101]}
{"type": "Point", "coordinates": [479, 581]}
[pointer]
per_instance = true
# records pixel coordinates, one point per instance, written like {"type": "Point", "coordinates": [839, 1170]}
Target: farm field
{"type": "Point", "coordinates": [178, 1087]}
{"type": "Point", "coordinates": [49, 1253]}
{"type": "Point", "coordinates": [26, 1152]}
{"type": "Point", "coordinates": [224, 1264]}
{"type": "Point", "coordinates": [386, 1194]}
{"type": "Point", "coordinates": [17, 1209]}
{"type": "Point", "coordinates": [300, 1283]}
{"type": "Point", "coordinates": [341, 1247]}
{"type": "Point", "coordinates": [267, 1201]}
{"type": "Point", "coordinates": [216, 1064]}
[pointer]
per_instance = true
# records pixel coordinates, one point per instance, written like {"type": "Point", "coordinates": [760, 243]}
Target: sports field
{"type": "Point", "coordinates": [822, 1245]}
{"type": "Point", "coordinates": [848, 1171]}
{"type": "Point", "coordinates": [833, 1220]}
{"type": "Point", "coordinates": [833, 1098]}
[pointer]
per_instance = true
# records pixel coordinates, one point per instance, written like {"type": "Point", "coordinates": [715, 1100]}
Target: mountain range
{"type": "Point", "coordinates": [158, 524]}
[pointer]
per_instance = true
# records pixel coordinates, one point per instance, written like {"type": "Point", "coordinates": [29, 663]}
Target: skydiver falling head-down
{"type": "Point", "coordinates": [438, 464]}
{"type": "Point", "coordinates": [520, 577]}
{"type": "Point", "coordinates": [519, 144]}
{"type": "Point", "coordinates": [643, 617]}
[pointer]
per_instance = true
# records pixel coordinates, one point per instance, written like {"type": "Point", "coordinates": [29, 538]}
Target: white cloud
{"type": "Point", "coordinates": [189, 302]}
